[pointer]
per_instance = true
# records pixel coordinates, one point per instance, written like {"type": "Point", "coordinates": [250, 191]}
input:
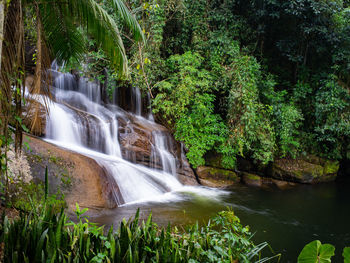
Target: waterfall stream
{"type": "Point", "coordinates": [78, 120]}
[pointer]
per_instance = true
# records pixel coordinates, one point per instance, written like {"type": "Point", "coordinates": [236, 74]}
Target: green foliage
{"type": "Point", "coordinates": [34, 193]}
{"type": "Point", "coordinates": [64, 25]}
{"type": "Point", "coordinates": [200, 129]}
{"type": "Point", "coordinates": [185, 100]}
{"type": "Point", "coordinates": [278, 75]}
{"type": "Point", "coordinates": [332, 118]}
{"type": "Point", "coordinates": [346, 254]}
{"type": "Point", "coordinates": [48, 237]}
{"type": "Point", "coordinates": [186, 79]}
{"type": "Point", "coordinates": [316, 252]}
{"type": "Point", "coordinates": [248, 119]}
{"type": "Point", "coordinates": [286, 117]}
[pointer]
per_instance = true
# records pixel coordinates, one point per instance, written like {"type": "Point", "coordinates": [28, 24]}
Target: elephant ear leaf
{"type": "Point", "coordinates": [315, 252]}
{"type": "Point", "coordinates": [346, 255]}
{"type": "Point", "coordinates": [326, 253]}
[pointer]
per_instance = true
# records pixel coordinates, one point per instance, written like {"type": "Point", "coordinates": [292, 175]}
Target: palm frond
{"type": "Point", "coordinates": [101, 27]}
{"type": "Point", "coordinates": [62, 20]}
{"type": "Point", "coordinates": [62, 34]}
{"type": "Point", "coordinates": [129, 19]}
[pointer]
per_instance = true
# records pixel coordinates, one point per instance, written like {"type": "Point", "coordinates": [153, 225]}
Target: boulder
{"type": "Point", "coordinates": [252, 179]}
{"type": "Point", "coordinates": [242, 164]}
{"type": "Point", "coordinates": [215, 177]}
{"type": "Point", "coordinates": [282, 184]}
{"type": "Point", "coordinates": [80, 178]}
{"type": "Point", "coordinates": [308, 170]}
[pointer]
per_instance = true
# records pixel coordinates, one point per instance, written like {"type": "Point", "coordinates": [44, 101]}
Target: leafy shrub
{"type": "Point", "coordinates": [251, 131]}
{"type": "Point", "coordinates": [200, 129]}
{"type": "Point", "coordinates": [185, 100]}
{"type": "Point", "coordinates": [47, 237]}
{"type": "Point", "coordinates": [332, 119]}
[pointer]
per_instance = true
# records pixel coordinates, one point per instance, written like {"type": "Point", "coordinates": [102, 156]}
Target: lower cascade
{"type": "Point", "coordinates": [140, 155]}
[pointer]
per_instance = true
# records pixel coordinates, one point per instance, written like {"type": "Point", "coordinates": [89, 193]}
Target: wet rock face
{"type": "Point", "coordinates": [135, 142]}
{"type": "Point", "coordinates": [80, 178]}
{"type": "Point", "coordinates": [309, 170]}
{"type": "Point", "coordinates": [138, 145]}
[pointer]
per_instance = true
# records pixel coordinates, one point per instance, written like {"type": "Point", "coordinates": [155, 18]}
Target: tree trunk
{"type": "Point", "coordinates": [2, 19]}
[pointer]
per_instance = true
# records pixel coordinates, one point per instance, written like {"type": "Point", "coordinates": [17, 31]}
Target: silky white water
{"type": "Point", "coordinates": [79, 121]}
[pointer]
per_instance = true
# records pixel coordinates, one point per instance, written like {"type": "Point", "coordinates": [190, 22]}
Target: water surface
{"type": "Point", "coordinates": [287, 219]}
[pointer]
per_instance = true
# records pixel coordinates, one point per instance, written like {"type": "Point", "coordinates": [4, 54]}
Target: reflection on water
{"type": "Point", "coordinates": [287, 219]}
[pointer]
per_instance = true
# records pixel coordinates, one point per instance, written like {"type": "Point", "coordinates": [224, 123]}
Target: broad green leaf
{"type": "Point", "coordinates": [346, 255]}
{"type": "Point", "coordinates": [326, 253]}
{"type": "Point", "coordinates": [315, 252]}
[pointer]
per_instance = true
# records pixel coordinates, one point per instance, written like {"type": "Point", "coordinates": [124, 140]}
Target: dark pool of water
{"type": "Point", "coordinates": [287, 219]}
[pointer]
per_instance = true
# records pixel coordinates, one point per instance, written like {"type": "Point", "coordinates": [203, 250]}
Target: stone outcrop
{"type": "Point", "coordinates": [79, 177]}
{"type": "Point", "coordinates": [137, 142]}
{"type": "Point", "coordinates": [215, 177]}
{"type": "Point", "coordinates": [309, 170]}
{"type": "Point", "coordinates": [265, 182]}
{"type": "Point", "coordinates": [306, 170]}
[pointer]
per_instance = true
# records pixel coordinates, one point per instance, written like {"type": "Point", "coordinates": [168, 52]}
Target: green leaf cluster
{"type": "Point", "coordinates": [49, 237]}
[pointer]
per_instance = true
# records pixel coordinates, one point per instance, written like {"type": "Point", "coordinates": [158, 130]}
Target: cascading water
{"type": "Point", "coordinates": [161, 149]}
{"type": "Point", "coordinates": [78, 121]}
{"type": "Point", "coordinates": [137, 96]}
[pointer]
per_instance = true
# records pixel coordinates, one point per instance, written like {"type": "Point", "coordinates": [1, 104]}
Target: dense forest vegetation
{"type": "Point", "coordinates": [260, 79]}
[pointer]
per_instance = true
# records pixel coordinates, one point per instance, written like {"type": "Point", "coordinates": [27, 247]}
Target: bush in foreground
{"type": "Point", "coordinates": [45, 236]}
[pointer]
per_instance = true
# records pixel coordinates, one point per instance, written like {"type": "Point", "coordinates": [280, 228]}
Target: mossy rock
{"type": "Point", "coordinates": [252, 179]}
{"type": "Point", "coordinates": [215, 177]}
{"type": "Point", "coordinates": [309, 170]}
{"type": "Point", "coordinates": [331, 167]}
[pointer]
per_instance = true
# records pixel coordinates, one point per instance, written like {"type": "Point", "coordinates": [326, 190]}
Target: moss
{"type": "Point", "coordinates": [217, 177]}
{"type": "Point", "coordinates": [330, 167]}
{"type": "Point", "coordinates": [252, 177]}
{"type": "Point", "coordinates": [298, 174]}
{"type": "Point", "coordinates": [223, 174]}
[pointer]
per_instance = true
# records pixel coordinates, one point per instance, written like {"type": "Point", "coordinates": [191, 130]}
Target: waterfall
{"type": "Point", "coordinates": [77, 120]}
{"type": "Point", "coordinates": [161, 149]}
{"type": "Point", "coordinates": [138, 103]}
